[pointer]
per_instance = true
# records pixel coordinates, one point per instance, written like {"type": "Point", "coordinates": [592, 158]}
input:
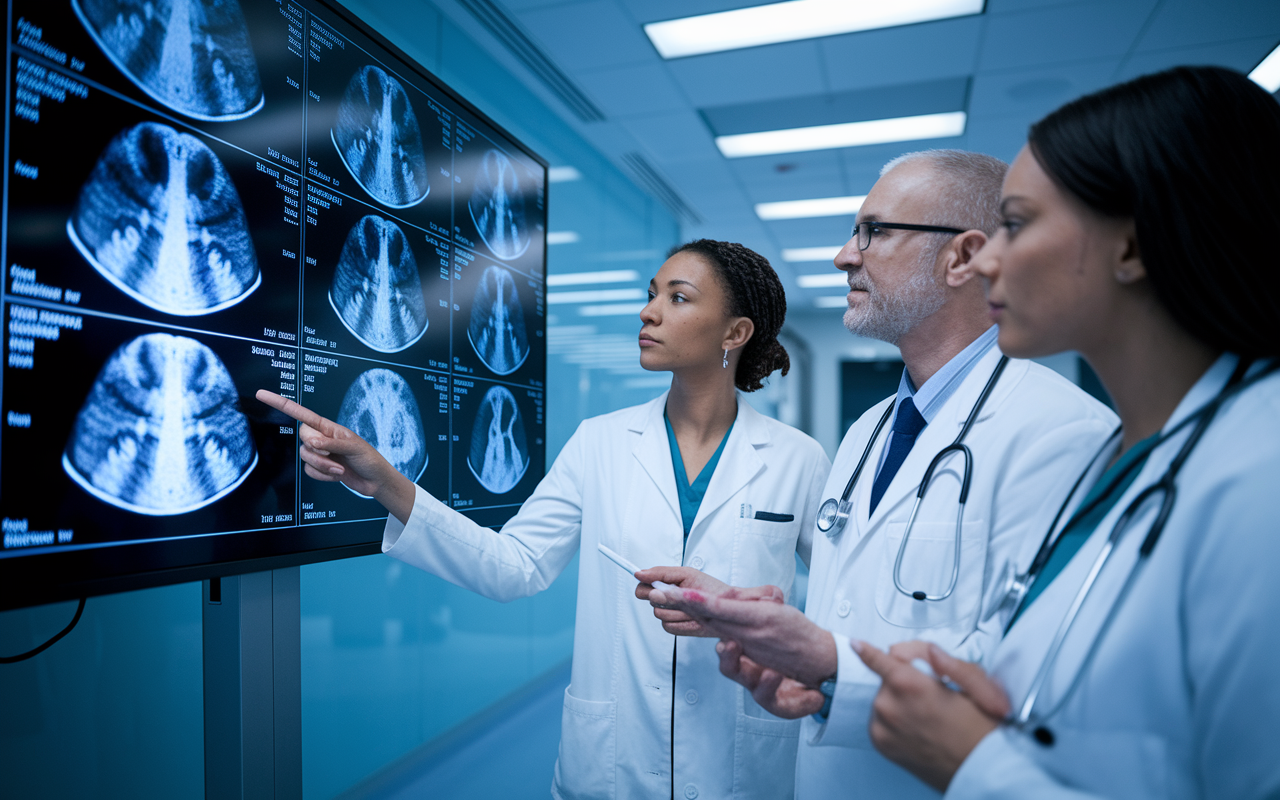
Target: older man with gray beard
{"type": "Point", "coordinates": [888, 566]}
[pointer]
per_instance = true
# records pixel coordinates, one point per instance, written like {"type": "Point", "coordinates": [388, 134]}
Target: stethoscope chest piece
{"type": "Point", "coordinates": [832, 516]}
{"type": "Point", "coordinates": [1006, 592]}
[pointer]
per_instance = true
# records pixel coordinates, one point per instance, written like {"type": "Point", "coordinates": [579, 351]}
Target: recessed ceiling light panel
{"type": "Point", "coordinates": [845, 134]}
{"type": "Point", "coordinates": [1267, 74]}
{"type": "Point", "coordinates": [792, 21]}
{"type": "Point", "coordinates": [803, 209]}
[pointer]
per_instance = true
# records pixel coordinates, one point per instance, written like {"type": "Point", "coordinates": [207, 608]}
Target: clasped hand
{"type": "Point", "coordinates": [769, 647]}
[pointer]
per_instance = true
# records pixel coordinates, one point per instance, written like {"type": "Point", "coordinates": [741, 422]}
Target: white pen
{"type": "Point", "coordinates": [629, 567]}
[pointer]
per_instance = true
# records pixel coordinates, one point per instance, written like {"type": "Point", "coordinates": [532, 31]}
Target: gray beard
{"type": "Point", "coordinates": [890, 317]}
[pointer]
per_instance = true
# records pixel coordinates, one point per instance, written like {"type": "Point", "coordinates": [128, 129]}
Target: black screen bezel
{"type": "Point", "coordinates": [52, 577]}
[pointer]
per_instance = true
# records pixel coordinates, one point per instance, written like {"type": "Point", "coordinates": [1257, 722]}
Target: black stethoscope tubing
{"type": "Point", "coordinates": [1166, 486]}
{"type": "Point", "coordinates": [843, 504]}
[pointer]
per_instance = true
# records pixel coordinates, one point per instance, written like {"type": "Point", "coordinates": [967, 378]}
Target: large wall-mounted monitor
{"type": "Point", "coordinates": [202, 199]}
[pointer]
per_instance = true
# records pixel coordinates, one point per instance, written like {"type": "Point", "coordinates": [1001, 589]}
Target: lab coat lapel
{"type": "Point", "coordinates": [653, 451]}
{"type": "Point", "coordinates": [739, 462]}
{"type": "Point", "coordinates": [939, 433]}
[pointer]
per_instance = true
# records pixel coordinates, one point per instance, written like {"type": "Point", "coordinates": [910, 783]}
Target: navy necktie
{"type": "Point", "coordinates": [906, 426]}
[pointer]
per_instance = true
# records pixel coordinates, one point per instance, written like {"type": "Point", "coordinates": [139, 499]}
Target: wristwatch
{"type": "Point", "coordinates": [828, 689]}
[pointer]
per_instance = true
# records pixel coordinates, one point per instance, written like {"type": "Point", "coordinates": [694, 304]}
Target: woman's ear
{"type": "Point", "coordinates": [741, 329]}
{"type": "Point", "coordinates": [958, 257]}
{"type": "Point", "coordinates": [1129, 268]}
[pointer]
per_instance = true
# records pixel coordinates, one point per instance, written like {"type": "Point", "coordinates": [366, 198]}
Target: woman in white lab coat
{"type": "Point", "coordinates": [644, 716]}
{"type": "Point", "coordinates": [1139, 229]}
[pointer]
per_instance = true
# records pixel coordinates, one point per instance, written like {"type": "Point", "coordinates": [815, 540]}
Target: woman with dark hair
{"type": "Point", "coordinates": [696, 477]}
{"type": "Point", "coordinates": [1139, 227]}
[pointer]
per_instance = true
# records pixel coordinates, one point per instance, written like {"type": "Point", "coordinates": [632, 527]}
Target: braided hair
{"type": "Point", "coordinates": [753, 291]}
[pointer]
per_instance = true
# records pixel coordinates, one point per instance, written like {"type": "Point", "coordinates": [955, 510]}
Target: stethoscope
{"type": "Point", "coordinates": [1013, 587]}
{"type": "Point", "coordinates": [834, 513]}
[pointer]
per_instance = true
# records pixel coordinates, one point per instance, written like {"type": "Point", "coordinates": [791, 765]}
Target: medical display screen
{"type": "Point", "coordinates": [202, 199]}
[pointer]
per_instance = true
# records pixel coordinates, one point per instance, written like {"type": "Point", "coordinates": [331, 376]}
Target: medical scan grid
{"type": "Point", "coordinates": [259, 196]}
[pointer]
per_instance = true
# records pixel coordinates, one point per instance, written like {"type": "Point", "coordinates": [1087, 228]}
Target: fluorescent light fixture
{"type": "Point", "coordinates": [818, 207]}
{"type": "Point", "coordinates": [823, 280]}
{"type": "Point", "coordinates": [563, 175]}
{"type": "Point", "coordinates": [810, 253]}
{"type": "Point", "coordinates": [844, 134]}
{"type": "Point", "coordinates": [794, 20]}
{"type": "Point", "coordinates": [832, 302]}
{"type": "Point", "coordinates": [621, 309]}
{"type": "Point", "coordinates": [562, 237]}
{"type": "Point", "coordinates": [1267, 74]}
{"type": "Point", "coordinates": [607, 276]}
{"type": "Point", "coordinates": [594, 296]}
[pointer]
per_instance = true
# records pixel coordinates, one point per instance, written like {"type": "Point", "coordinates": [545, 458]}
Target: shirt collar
{"type": "Point", "coordinates": [935, 392]}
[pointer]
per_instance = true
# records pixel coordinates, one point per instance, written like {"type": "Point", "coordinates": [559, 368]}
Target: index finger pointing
{"type": "Point", "coordinates": [878, 661]}
{"type": "Point", "coordinates": [299, 412]}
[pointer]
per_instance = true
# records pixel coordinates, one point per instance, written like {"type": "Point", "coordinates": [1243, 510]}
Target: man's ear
{"type": "Point", "coordinates": [957, 257]}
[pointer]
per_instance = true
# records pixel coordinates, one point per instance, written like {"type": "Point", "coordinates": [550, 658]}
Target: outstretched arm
{"type": "Point", "coordinates": [331, 452]}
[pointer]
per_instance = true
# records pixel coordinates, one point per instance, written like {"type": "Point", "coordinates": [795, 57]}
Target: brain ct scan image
{"type": "Point", "coordinates": [497, 330]}
{"type": "Point", "coordinates": [379, 139]}
{"type": "Point", "coordinates": [497, 207]}
{"type": "Point", "coordinates": [499, 452]}
{"type": "Point", "coordinates": [380, 407]}
{"type": "Point", "coordinates": [193, 56]}
{"type": "Point", "coordinates": [160, 219]}
{"type": "Point", "coordinates": [376, 291]}
{"type": "Point", "coordinates": [161, 432]}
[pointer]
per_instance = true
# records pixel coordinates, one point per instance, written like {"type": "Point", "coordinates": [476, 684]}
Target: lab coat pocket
{"type": "Point", "coordinates": [588, 747]}
{"type": "Point", "coordinates": [767, 741]}
{"type": "Point", "coordinates": [927, 565]}
{"type": "Point", "coordinates": [764, 552]}
{"type": "Point", "coordinates": [1130, 764]}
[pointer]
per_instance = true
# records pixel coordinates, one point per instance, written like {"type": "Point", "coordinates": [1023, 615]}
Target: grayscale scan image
{"type": "Point", "coordinates": [160, 219]}
{"type": "Point", "coordinates": [497, 207]}
{"type": "Point", "coordinates": [376, 290]}
{"type": "Point", "coordinates": [381, 409]}
{"type": "Point", "coordinates": [499, 452]}
{"type": "Point", "coordinates": [161, 432]}
{"type": "Point", "coordinates": [193, 56]}
{"type": "Point", "coordinates": [496, 329]}
{"type": "Point", "coordinates": [379, 139]}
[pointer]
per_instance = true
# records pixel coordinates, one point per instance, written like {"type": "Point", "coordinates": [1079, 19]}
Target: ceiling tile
{"type": "Point", "coordinates": [1183, 23]}
{"type": "Point", "coordinates": [1001, 137]}
{"type": "Point", "coordinates": [928, 51]}
{"type": "Point", "coordinates": [673, 137]}
{"type": "Point", "coordinates": [757, 73]}
{"type": "Point", "coordinates": [1036, 92]}
{"type": "Point", "coordinates": [659, 10]}
{"type": "Point", "coordinates": [583, 36]}
{"type": "Point", "coordinates": [1062, 33]}
{"type": "Point", "coordinates": [805, 175]}
{"type": "Point", "coordinates": [1014, 6]}
{"type": "Point", "coordinates": [633, 90]}
{"type": "Point", "coordinates": [1241, 55]}
{"type": "Point", "coordinates": [927, 97]}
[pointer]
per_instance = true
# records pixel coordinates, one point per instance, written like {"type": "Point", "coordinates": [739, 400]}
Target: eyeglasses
{"type": "Point", "coordinates": [863, 231]}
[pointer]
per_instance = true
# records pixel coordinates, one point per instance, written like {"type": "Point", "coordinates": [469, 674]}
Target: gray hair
{"type": "Point", "coordinates": [968, 187]}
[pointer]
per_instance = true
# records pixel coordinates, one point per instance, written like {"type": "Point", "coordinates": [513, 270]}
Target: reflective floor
{"type": "Point", "coordinates": [507, 752]}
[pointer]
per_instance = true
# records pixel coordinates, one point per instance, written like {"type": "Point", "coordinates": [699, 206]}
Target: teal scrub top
{"type": "Point", "coordinates": [691, 494]}
{"type": "Point", "coordinates": [1096, 505]}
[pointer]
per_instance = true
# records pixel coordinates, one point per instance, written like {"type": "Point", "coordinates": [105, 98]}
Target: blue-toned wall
{"type": "Point", "coordinates": [391, 657]}
{"type": "Point", "coordinates": [114, 709]}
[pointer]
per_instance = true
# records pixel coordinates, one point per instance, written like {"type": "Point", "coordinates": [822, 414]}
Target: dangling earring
{"type": "Point", "coordinates": [725, 365]}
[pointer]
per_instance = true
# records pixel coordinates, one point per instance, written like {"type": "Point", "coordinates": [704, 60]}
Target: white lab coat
{"type": "Point", "coordinates": [614, 483]}
{"type": "Point", "coordinates": [1181, 698]}
{"type": "Point", "coordinates": [1036, 431]}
